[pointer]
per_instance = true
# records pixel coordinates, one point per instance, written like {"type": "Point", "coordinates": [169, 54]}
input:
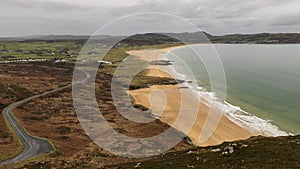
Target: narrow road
{"type": "Point", "coordinates": [32, 146]}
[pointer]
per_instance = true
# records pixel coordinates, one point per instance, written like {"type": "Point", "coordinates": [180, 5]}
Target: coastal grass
{"type": "Point", "coordinates": [159, 46]}
{"type": "Point", "coordinates": [39, 45]}
{"type": "Point", "coordinates": [115, 55]}
{"type": "Point", "coordinates": [16, 138]}
{"type": "Point", "coordinates": [21, 146]}
{"type": "Point", "coordinates": [37, 159]}
{"type": "Point", "coordinates": [141, 80]}
{"type": "Point", "coordinates": [38, 49]}
{"type": "Point", "coordinates": [256, 152]}
{"type": "Point", "coordinates": [253, 153]}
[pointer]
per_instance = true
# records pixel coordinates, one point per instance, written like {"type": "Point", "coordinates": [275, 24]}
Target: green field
{"type": "Point", "coordinates": [39, 49]}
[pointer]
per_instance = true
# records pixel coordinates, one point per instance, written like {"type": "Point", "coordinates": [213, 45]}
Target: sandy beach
{"type": "Point", "coordinates": [167, 105]}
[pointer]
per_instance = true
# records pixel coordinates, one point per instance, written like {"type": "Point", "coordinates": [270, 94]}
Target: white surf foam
{"type": "Point", "coordinates": [256, 125]}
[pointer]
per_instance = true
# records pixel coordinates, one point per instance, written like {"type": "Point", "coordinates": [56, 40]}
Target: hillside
{"type": "Point", "coordinates": [162, 38]}
{"type": "Point", "coordinates": [256, 152]}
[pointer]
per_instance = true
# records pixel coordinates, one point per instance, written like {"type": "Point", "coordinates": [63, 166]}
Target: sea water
{"type": "Point", "coordinates": [262, 83]}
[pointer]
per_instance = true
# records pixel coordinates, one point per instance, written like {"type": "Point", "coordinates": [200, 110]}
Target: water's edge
{"type": "Point", "coordinates": [254, 124]}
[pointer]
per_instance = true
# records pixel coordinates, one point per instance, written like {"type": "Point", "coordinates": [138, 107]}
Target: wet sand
{"type": "Point", "coordinates": [178, 107]}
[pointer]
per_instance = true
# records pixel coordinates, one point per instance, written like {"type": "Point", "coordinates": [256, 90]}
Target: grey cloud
{"type": "Point", "coordinates": [288, 20]}
{"type": "Point", "coordinates": [212, 14]}
{"type": "Point", "coordinates": [43, 5]}
{"type": "Point", "coordinates": [19, 17]}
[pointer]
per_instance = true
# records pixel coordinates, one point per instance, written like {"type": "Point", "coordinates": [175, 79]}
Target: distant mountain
{"type": "Point", "coordinates": [147, 39]}
{"type": "Point", "coordinates": [196, 37]}
{"type": "Point", "coordinates": [263, 38]}
{"type": "Point", "coordinates": [56, 37]}
{"type": "Point", "coordinates": [160, 38]}
{"type": "Point", "coordinates": [203, 37]}
{"type": "Point", "coordinates": [45, 37]}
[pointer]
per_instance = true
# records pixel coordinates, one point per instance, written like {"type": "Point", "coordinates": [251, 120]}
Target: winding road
{"type": "Point", "coordinates": [32, 146]}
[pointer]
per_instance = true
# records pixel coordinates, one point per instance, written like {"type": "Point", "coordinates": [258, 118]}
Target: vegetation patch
{"type": "Point", "coordinates": [9, 91]}
{"type": "Point", "coordinates": [64, 129]}
{"type": "Point", "coordinates": [140, 107]}
{"type": "Point", "coordinates": [256, 152]}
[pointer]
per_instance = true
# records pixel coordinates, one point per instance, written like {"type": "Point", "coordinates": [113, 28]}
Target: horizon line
{"type": "Point", "coordinates": [142, 33]}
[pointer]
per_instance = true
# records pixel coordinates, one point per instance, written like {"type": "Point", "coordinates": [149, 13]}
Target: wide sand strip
{"type": "Point", "coordinates": [167, 105]}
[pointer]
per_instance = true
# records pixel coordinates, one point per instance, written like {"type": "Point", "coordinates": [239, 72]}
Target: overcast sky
{"type": "Point", "coordinates": [40, 17]}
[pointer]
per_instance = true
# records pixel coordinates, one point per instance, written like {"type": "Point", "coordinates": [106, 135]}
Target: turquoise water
{"type": "Point", "coordinates": [263, 80]}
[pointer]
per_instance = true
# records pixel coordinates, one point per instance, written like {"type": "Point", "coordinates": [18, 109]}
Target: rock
{"type": "Point", "coordinates": [188, 140]}
{"type": "Point", "coordinates": [137, 165]}
{"type": "Point", "coordinates": [234, 145]}
{"type": "Point", "coordinates": [243, 146]}
{"type": "Point", "coordinates": [225, 153]}
{"type": "Point", "coordinates": [229, 149]}
{"type": "Point", "coordinates": [215, 150]}
{"type": "Point", "coordinates": [190, 166]}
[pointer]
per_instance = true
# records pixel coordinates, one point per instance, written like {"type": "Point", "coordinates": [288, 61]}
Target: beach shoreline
{"type": "Point", "coordinates": [224, 130]}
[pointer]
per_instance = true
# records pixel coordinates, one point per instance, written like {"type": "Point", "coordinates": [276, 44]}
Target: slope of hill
{"type": "Point", "coordinates": [161, 38]}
